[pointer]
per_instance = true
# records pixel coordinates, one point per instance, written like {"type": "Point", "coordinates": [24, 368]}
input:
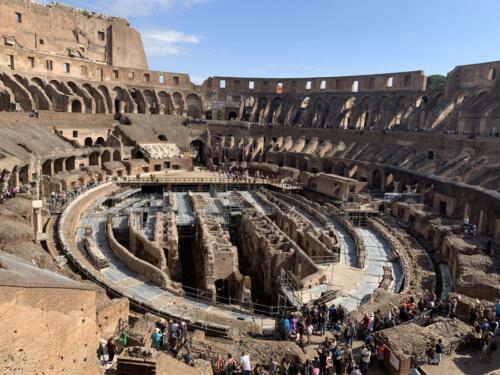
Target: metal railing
{"type": "Point", "coordinates": [154, 179]}
{"type": "Point", "coordinates": [229, 303]}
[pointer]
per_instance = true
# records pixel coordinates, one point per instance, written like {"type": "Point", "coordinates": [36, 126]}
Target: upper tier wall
{"type": "Point", "coordinates": [58, 29]}
{"type": "Point", "coordinates": [473, 76]}
{"type": "Point", "coordinates": [408, 81]}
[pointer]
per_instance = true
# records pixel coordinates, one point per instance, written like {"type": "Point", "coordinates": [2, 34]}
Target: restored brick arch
{"type": "Point", "coordinates": [194, 106]}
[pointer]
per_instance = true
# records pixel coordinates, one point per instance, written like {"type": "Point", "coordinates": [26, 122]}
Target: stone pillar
{"type": "Point", "coordinates": [36, 220]}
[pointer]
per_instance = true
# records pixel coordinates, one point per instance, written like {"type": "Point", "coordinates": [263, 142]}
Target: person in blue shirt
{"type": "Point", "coordinates": [156, 339]}
{"type": "Point", "coordinates": [497, 309]}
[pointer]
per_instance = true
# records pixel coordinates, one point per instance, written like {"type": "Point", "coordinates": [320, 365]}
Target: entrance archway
{"type": "Point", "coordinates": [76, 106]}
{"type": "Point", "coordinates": [88, 142]}
{"type": "Point", "coordinates": [197, 149]}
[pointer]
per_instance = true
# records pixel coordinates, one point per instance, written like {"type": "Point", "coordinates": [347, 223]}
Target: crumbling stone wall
{"type": "Point", "coordinates": [143, 248]}
{"type": "Point", "coordinates": [314, 242]}
{"type": "Point", "coordinates": [138, 265]}
{"type": "Point", "coordinates": [216, 255]}
{"type": "Point", "coordinates": [168, 238]}
{"type": "Point", "coordinates": [48, 330]}
{"type": "Point", "coordinates": [269, 251]}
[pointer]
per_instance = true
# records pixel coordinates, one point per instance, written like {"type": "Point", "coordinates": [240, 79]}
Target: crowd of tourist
{"type": "Point", "coordinates": [59, 199]}
{"type": "Point", "coordinates": [8, 194]}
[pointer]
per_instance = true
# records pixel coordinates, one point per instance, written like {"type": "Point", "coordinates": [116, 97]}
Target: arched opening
{"type": "Point", "coordinates": [105, 157]}
{"type": "Point", "coordinates": [162, 137]}
{"type": "Point", "coordinates": [117, 156]}
{"type": "Point", "coordinates": [340, 169]}
{"type": "Point", "coordinates": [150, 99]}
{"type": "Point", "coordinates": [139, 100]}
{"type": "Point", "coordinates": [166, 104]}
{"type": "Point", "coordinates": [100, 141]}
{"type": "Point", "coordinates": [76, 106]}
{"type": "Point", "coordinates": [94, 158]}
{"type": "Point", "coordinates": [4, 101]}
{"type": "Point", "coordinates": [70, 163]}
{"type": "Point", "coordinates": [232, 116]}
{"type": "Point", "coordinates": [47, 168]}
{"type": "Point", "coordinates": [24, 175]}
{"type": "Point", "coordinates": [247, 108]}
{"type": "Point", "coordinates": [59, 165]}
{"type": "Point", "coordinates": [194, 106]}
{"type": "Point", "coordinates": [222, 290]}
{"type": "Point", "coordinates": [197, 149]}
{"type": "Point", "coordinates": [120, 103]}
{"type": "Point", "coordinates": [88, 142]}
{"type": "Point", "coordinates": [376, 180]}
{"type": "Point", "coordinates": [179, 103]}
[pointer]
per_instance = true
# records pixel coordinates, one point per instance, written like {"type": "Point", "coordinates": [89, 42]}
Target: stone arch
{"type": "Point", "coordinates": [178, 103]}
{"type": "Point", "coordinates": [59, 165]}
{"type": "Point", "coordinates": [376, 179]}
{"type": "Point", "coordinates": [276, 110]}
{"type": "Point", "coordinates": [120, 101]}
{"type": "Point", "coordinates": [98, 97]}
{"type": "Point", "coordinates": [103, 90]}
{"type": "Point", "coordinates": [320, 112]}
{"type": "Point", "coordinates": [194, 106]}
{"type": "Point", "coordinates": [100, 141]}
{"type": "Point", "coordinates": [86, 98]}
{"type": "Point", "coordinates": [166, 104]}
{"type": "Point", "coordinates": [94, 158]}
{"type": "Point", "coordinates": [385, 106]}
{"type": "Point", "coordinates": [75, 106]}
{"type": "Point", "coordinates": [248, 105]}
{"type": "Point", "coordinates": [139, 100]}
{"type": "Point", "coordinates": [151, 101]}
{"type": "Point", "coordinates": [364, 119]}
{"type": "Point", "coordinates": [88, 142]}
{"type": "Point", "coordinates": [24, 177]}
{"type": "Point", "coordinates": [40, 99]}
{"type": "Point", "coordinates": [261, 109]}
{"type": "Point", "coordinates": [47, 167]}
{"type": "Point", "coordinates": [21, 95]}
{"type": "Point", "coordinates": [402, 106]}
{"type": "Point", "coordinates": [340, 169]}
{"type": "Point", "coordinates": [105, 157]}
{"type": "Point", "coordinates": [5, 99]}
{"type": "Point", "coordinates": [70, 163]}
{"type": "Point", "coordinates": [117, 156]}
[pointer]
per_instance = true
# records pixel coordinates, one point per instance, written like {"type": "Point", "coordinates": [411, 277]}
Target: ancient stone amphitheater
{"type": "Point", "coordinates": [131, 195]}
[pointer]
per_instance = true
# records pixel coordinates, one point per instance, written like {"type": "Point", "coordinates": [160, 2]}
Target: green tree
{"type": "Point", "coordinates": [436, 81]}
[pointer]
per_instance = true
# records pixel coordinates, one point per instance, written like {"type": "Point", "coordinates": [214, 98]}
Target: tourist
{"type": "Point", "coordinates": [438, 352]}
{"type": "Point", "coordinates": [231, 365]}
{"type": "Point", "coordinates": [245, 364]}
{"type": "Point", "coordinates": [156, 338]}
{"type": "Point", "coordinates": [111, 348]}
{"type": "Point", "coordinates": [365, 359]}
{"type": "Point", "coordinates": [284, 367]}
{"type": "Point", "coordinates": [219, 365]}
{"type": "Point", "coordinates": [380, 355]}
{"type": "Point", "coordinates": [272, 366]}
{"type": "Point", "coordinates": [356, 371]}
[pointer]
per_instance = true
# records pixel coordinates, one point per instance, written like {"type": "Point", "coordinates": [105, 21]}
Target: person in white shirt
{"type": "Point", "coordinates": [245, 364]}
{"type": "Point", "coordinates": [365, 359]}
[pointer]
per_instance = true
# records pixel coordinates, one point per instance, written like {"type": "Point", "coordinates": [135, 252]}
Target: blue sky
{"type": "Point", "coordinates": [292, 38]}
